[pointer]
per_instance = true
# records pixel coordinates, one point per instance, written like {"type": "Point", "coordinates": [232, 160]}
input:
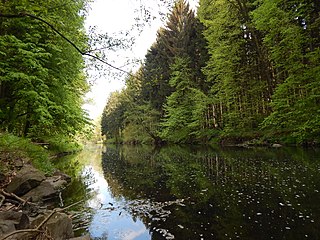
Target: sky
{"type": "Point", "coordinates": [110, 16]}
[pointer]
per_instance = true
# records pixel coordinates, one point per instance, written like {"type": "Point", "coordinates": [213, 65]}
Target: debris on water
{"type": "Point", "coordinates": [180, 226]}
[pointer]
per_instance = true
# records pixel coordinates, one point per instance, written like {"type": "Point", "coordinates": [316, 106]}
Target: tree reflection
{"type": "Point", "coordinates": [227, 193]}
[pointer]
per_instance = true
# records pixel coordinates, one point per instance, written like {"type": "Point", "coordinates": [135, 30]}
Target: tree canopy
{"type": "Point", "coordinates": [42, 82]}
{"type": "Point", "coordinates": [236, 69]}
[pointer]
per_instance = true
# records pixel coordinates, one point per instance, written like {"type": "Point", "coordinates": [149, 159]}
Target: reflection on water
{"type": "Point", "coordinates": [137, 192]}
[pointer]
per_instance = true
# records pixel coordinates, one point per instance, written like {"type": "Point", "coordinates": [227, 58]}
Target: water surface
{"type": "Point", "coordinates": [139, 192]}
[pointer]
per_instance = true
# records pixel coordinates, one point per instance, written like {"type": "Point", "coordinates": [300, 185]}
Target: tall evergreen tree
{"type": "Point", "coordinates": [185, 107]}
{"type": "Point", "coordinates": [181, 37]}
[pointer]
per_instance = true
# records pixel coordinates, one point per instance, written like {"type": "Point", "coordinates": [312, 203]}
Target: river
{"type": "Point", "coordinates": [183, 192]}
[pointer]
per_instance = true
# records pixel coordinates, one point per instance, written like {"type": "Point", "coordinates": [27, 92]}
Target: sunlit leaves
{"type": "Point", "coordinates": [41, 80]}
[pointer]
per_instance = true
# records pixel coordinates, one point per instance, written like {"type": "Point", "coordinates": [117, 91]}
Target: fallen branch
{"type": "Point", "coordinates": [24, 202]}
{"type": "Point", "coordinates": [37, 229]}
{"type": "Point", "coordinates": [55, 211]}
{"type": "Point", "coordinates": [20, 231]}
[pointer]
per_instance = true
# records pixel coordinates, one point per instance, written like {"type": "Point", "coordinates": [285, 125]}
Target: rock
{"type": "Point", "coordinates": [86, 237]}
{"type": "Point", "coordinates": [59, 225]}
{"type": "Point", "coordinates": [11, 221]}
{"type": "Point", "coordinates": [276, 145]}
{"type": "Point", "coordinates": [62, 176]}
{"type": "Point", "coordinates": [18, 163]}
{"type": "Point", "coordinates": [44, 192]}
{"type": "Point", "coordinates": [26, 179]}
{"type": "Point", "coordinates": [56, 182]}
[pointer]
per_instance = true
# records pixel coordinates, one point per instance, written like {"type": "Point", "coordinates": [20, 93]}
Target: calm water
{"type": "Point", "coordinates": [187, 193]}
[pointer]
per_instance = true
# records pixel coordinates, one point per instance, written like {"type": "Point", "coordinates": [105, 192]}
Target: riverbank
{"type": "Point", "coordinates": [30, 190]}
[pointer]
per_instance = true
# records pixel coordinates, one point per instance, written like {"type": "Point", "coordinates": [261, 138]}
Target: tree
{"type": "Point", "coordinates": [181, 37]}
{"type": "Point", "coordinates": [238, 69]}
{"type": "Point", "coordinates": [294, 46]}
{"type": "Point", "coordinates": [185, 107]}
{"type": "Point", "coordinates": [112, 121]}
{"type": "Point", "coordinates": [42, 80]}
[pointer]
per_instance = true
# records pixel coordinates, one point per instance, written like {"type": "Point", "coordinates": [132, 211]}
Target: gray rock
{"type": "Point", "coordinates": [59, 225]}
{"type": "Point", "coordinates": [45, 191]}
{"type": "Point", "coordinates": [26, 179]}
{"type": "Point", "coordinates": [276, 145]}
{"type": "Point", "coordinates": [56, 182]}
{"type": "Point", "coordinates": [11, 221]}
{"type": "Point", "coordinates": [62, 176]}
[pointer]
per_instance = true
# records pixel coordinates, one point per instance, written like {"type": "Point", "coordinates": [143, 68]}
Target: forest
{"type": "Point", "coordinates": [233, 71]}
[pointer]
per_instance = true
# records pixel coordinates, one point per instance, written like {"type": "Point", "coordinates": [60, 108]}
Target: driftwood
{"type": "Point", "coordinates": [38, 230]}
{"type": "Point", "coordinates": [12, 195]}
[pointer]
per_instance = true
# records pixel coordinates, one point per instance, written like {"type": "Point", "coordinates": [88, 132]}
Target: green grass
{"type": "Point", "coordinates": [22, 148]}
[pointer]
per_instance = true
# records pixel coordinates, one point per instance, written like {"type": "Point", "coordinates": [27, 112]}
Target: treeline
{"type": "Point", "coordinates": [238, 70]}
{"type": "Point", "coordinates": [42, 82]}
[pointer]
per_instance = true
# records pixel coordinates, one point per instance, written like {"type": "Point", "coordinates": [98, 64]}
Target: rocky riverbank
{"type": "Point", "coordinates": [30, 204]}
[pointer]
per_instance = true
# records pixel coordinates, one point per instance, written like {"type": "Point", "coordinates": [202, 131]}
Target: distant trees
{"type": "Point", "coordinates": [41, 75]}
{"type": "Point", "coordinates": [239, 70]}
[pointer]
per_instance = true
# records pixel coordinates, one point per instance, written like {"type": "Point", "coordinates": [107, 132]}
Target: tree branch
{"type": "Point", "coordinates": [23, 14]}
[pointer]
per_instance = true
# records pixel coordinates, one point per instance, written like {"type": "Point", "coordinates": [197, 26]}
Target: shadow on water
{"type": "Point", "coordinates": [138, 192]}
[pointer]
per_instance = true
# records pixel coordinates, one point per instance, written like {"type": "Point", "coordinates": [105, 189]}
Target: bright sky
{"type": "Point", "coordinates": [110, 16]}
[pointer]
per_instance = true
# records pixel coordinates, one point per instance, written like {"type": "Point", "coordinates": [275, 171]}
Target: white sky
{"type": "Point", "coordinates": [112, 16]}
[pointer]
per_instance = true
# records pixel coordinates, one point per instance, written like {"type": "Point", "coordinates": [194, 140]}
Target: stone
{"type": "Point", "coordinates": [56, 182]}
{"type": "Point", "coordinates": [11, 221]}
{"type": "Point", "coordinates": [62, 176]}
{"type": "Point", "coordinates": [276, 145]}
{"type": "Point", "coordinates": [59, 225]}
{"type": "Point", "coordinates": [26, 179]}
{"type": "Point", "coordinates": [44, 192]}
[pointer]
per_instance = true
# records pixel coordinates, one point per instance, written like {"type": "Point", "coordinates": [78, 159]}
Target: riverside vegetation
{"type": "Point", "coordinates": [237, 70]}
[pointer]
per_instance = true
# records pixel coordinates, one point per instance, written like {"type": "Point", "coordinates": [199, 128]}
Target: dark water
{"type": "Point", "coordinates": [186, 193]}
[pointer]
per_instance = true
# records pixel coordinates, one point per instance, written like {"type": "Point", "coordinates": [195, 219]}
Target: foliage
{"type": "Point", "coordinates": [294, 49]}
{"type": "Point", "coordinates": [42, 80]}
{"type": "Point", "coordinates": [240, 70]}
{"type": "Point", "coordinates": [185, 106]}
{"type": "Point", "coordinates": [22, 148]}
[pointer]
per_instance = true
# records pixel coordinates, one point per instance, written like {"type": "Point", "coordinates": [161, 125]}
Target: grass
{"type": "Point", "coordinates": [22, 148]}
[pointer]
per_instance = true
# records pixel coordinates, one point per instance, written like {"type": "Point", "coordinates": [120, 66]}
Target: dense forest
{"type": "Point", "coordinates": [237, 70]}
{"type": "Point", "coordinates": [42, 78]}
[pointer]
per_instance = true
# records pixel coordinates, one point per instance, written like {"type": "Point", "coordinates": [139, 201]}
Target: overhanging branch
{"type": "Point", "coordinates": [22, 15]}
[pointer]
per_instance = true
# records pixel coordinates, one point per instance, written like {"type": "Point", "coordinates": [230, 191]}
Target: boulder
{"type": "Point", "coordinates": [56, 182]}
{"type": "Point", "coordinates": [59, 225]}
{"type": "Point", "coordinates": [11, 221]}
{"type": "Point", "coordinates": [62, 176]}
{"type": "Point", "coordinates": [26, 179]}
{"type": "Point", "coordinates": [44, 192]}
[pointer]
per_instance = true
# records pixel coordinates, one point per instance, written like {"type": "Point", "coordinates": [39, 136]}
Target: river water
{"type": "Point", "coordinates": [142, 193]}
